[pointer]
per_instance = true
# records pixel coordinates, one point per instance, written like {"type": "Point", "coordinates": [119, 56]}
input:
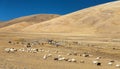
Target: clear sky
{"type": "Point", "coordinates": [10, 9]}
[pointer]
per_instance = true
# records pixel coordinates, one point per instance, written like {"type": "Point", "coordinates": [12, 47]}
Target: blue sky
{"type": "Point", "coordinates": [10, 9]}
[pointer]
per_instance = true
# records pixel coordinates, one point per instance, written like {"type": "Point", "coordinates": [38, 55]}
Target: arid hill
{"type": "Point", "coordinates": [101, 19]}
{"type": "Point", "coordinates": [2, 24]}
{"type": "Point", "coordinates": [22, 22]}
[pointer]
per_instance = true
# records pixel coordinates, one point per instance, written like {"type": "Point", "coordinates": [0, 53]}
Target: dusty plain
{"type": "Point", "coordinates": [106, 47]}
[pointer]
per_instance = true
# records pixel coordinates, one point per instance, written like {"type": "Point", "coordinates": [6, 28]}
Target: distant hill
{"type": "Point", "coordinates": [1, 24]}
{"type": "Point", "coordinates": [22, 22]}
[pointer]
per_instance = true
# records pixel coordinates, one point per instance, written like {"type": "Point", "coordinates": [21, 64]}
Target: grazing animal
{"type": "Point", "coordinates": [21, 50]}
{"type": "Point", "coordinates": [55, 58]}
{"type": "Point", "coordinates": [45, 57]}
{"type": "Point", "coordinates": [9, 41]}
{"type": "Point", "coordinates": [61, 59]}
{"type": "Point", "coordinates": [66, 59]}
{"type": "Point", "coordinates": [69, 60]}
{"type": "Point", "coordinates": [8, 50]}
{"type": "Point", "coordinates": [98, 58]}
{"type": "Point", "coordinates": [49, 55]}
{"type": "Point", "coordinates": [59, 56]}
{"type": "Point", "coordinates": [97, 63]}
{"type": "Point", "coordinates": [82, 61]}
{"type": "Point", "coordinates": [110, 63]}
{"type": "Point", "coordinates": [72, 60]}
{"type": "Point", "coordinates": [85, 55]}
{"type": "Point", "coordinates": [34, 50]}
{"type": "Point", "coordinates": [117, 65]}
{"type": "Point", "coordinates": [28, 45]}
{"type": "Point", "coordinates": [69, 54]}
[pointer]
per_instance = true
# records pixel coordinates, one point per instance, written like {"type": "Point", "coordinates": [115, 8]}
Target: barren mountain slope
{"type": "Point", "coordinates": [22, 22]}
{"type": "Point", "coordinates": [102, 19]}
{"type": "Point", "coordinates": [2, 24]}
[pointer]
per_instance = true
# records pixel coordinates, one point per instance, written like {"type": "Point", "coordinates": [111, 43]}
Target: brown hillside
{"type": "Point", "coordinates": [2, 24]}
{"type": "Point", "coordinates": [22, 22]}
{"type": "Point", "coordinates": [102, 19]}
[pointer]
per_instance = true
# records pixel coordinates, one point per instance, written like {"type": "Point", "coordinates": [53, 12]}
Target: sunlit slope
{"type": "Point", "coordinates": [17, 24]}
{"type": "Point", "coordinates": [101, 19]}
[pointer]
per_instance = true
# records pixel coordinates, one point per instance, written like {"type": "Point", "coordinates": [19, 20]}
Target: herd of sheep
{"type": "Point", "coordinates": [28, 48]}
{"type": "Point", "coordinates": [59, 57]}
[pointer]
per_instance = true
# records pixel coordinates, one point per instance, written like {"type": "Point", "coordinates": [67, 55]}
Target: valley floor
{"type": "Point", "coordinates": [106, 47]}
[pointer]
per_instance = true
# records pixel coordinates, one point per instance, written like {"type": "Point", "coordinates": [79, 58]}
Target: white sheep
{"type": "Point", "coordinates": [95, 62]}
{"type": "Point", "coordinates": [34, 50]}
{"type": "Point", "coordinates": [82, 61]}
{"type": "Point", "coordinates": [27, 49]}
{"type": "Point", "coordinates": [13, 49]}
{"type": "Point", "coordinates": [98, 58]}
{"type": "Point", "coordinates": [69, 60]}
{"type": "Point", "coordinates": [59, 56]}
{"type": "Point", "coordinates": [110, 63]}
{"type": "Point", "coordinates": [21, 50]}
{"type": "Point", "coordinates": [49, 55]}
{"type": "Point", "coordinates": [85, 55]}
{"type": "Point", "coordinates": [72, 60]}
{"type": "Point", "coordinates": [10, 50]}
{"type": "Point", "coordinates": [41, 50]}
{"type": "Point", "coordinates": [61, 59]}
{"type": "Point", "coordinates": [45, 57]}
{"type": "Point", "coordinates": [7, 50]}
{"type": "Point", "coordinates": [117, 65]}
